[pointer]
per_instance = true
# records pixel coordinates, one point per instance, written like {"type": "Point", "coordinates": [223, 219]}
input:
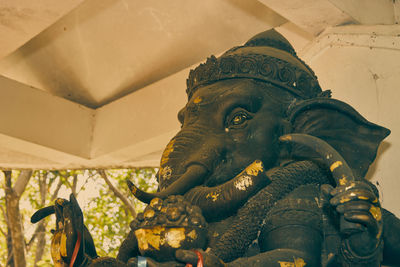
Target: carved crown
{"type": "Point", "coordinates": [268, 57]}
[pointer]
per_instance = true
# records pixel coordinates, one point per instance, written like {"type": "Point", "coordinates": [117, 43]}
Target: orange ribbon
{"type": "Point", "coordinates": [200, 261]}
{"type": "Point", "coordinates": [76, 250]}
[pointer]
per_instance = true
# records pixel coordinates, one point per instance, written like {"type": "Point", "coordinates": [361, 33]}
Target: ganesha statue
{"type": "Point", "coordinates": [267, 170]}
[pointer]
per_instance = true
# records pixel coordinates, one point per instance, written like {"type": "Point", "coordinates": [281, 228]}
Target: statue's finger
{"type": "Point", "coordinates": [186, 256]}
{"type": "Point", "coordinates": [364, 218]}
{"type": "Point", "coordinates": [354, 194]}
{"type": "Point", "coordinates": [356, 205]}
{"type": "Point", "coordinates": [326, 190]}
{"type": "Point", "coordinates": [352, 185]}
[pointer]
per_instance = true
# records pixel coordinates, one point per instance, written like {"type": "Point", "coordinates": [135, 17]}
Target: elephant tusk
{"type": "Point", "coordinates": [340, 170]}
{"type": "Point", "coordinates": [194, 175]}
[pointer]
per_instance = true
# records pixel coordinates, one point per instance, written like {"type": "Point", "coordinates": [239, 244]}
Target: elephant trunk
{"type": "Point", "coordinates": [186, 161]}
{"type": "Point", "coordinates": [247, 224]}
{"type": "Point", "coordinates": [225, 199]}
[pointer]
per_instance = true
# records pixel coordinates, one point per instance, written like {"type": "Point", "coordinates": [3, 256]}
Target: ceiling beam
{"type": "Point", "coordinates": [296, 36]}
{"type": "Point", "coordinates": [43, 131]}
{"type": "Point", "coordinates": [311, 15]}
{"type": "Point", "coordinates": [369, 36]}
{"type": "Point", "coordinates": [35, 116]}
{"type": "Point", "coordinates": [370, 11]}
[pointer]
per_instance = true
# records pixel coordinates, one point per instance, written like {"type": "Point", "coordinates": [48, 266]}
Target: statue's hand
{"type": "Point", "coordinates": [70, 235]}
{"type": "Point", "coordinates": [361, 219]}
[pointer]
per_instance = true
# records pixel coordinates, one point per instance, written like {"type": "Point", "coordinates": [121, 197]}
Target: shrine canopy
{"type": "Point", "coordinates": [98, 83]}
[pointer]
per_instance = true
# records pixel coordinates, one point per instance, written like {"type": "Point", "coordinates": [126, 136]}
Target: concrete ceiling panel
{"type": "Point", "coordinates": [20, 20]}
{"type": "Point", "coordinates": [140, 116]}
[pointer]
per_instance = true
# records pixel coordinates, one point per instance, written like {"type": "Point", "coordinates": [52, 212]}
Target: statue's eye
{"type": "Point", "coordinates": [238, 119]}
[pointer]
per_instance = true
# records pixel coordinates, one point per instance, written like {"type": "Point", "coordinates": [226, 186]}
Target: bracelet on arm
{"type": "Point", "coordinates": [350, 258]}
{"type": "Point", "coordinates": [142, 261]}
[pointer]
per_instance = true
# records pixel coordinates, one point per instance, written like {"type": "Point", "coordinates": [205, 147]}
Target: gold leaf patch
{"type": "Point", "coordinates": [167, 151]}
{"type": "Point", "coordinates": [298, 262]}
{"type": "Point", "coordinates": [254, 168]}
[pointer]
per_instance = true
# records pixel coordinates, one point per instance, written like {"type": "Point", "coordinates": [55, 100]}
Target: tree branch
{"type": "Point", "coordinates": [5, 219]}
{"type": "Point", "coordinates": [42, 188]}
{"type": "Point", "coordinates": [21, 182]}
{"type": "Point", "coordinates": [34, 235]}
{"type": "Point", "coordinates": [58, 187]}
{"type": "Point", "coordinates": [14, 218]}
{"type": "Point", "coordinates": [7, 176]}
{"type": "Point", "coordinates": [10, 258]}
{"type": "Point", "coordinates": [118, 193]}
{"type": "Point", "coordinates": [2, 232]}
{"type": "Point", "coordinates": [66, 180]}
{"type": "Point", "coordinates": [4, 214]}
{"type": "Point", "coordinates": [74, 184]}
{"type": "Point", "coordinates": [90, 175]}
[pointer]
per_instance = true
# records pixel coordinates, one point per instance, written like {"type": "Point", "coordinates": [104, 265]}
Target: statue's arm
{"type": "Point", "coordinates": [129, 248]}
{"type": "Point", "coordinates": [295, 245]}
{"type": "Point", "coordinates": [391, 239]}
{"type": "Point", "coordinates": [391, 251]}
{"type": "Point", "coordinates": [292, 233]}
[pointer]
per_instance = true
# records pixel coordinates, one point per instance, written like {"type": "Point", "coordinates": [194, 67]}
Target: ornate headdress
{"type": "Point", "coordinates": [268, 57]}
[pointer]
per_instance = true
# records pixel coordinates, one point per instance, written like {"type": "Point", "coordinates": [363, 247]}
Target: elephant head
{"type": "Point", "coordinates": [238, 106]}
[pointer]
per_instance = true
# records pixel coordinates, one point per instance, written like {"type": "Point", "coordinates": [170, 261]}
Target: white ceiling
{"type": "Point", "coordinates": [97, 83]}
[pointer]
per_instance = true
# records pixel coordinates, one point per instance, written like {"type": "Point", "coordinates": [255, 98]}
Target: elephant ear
{"type": "Point", "coordinates": [341, 126]}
